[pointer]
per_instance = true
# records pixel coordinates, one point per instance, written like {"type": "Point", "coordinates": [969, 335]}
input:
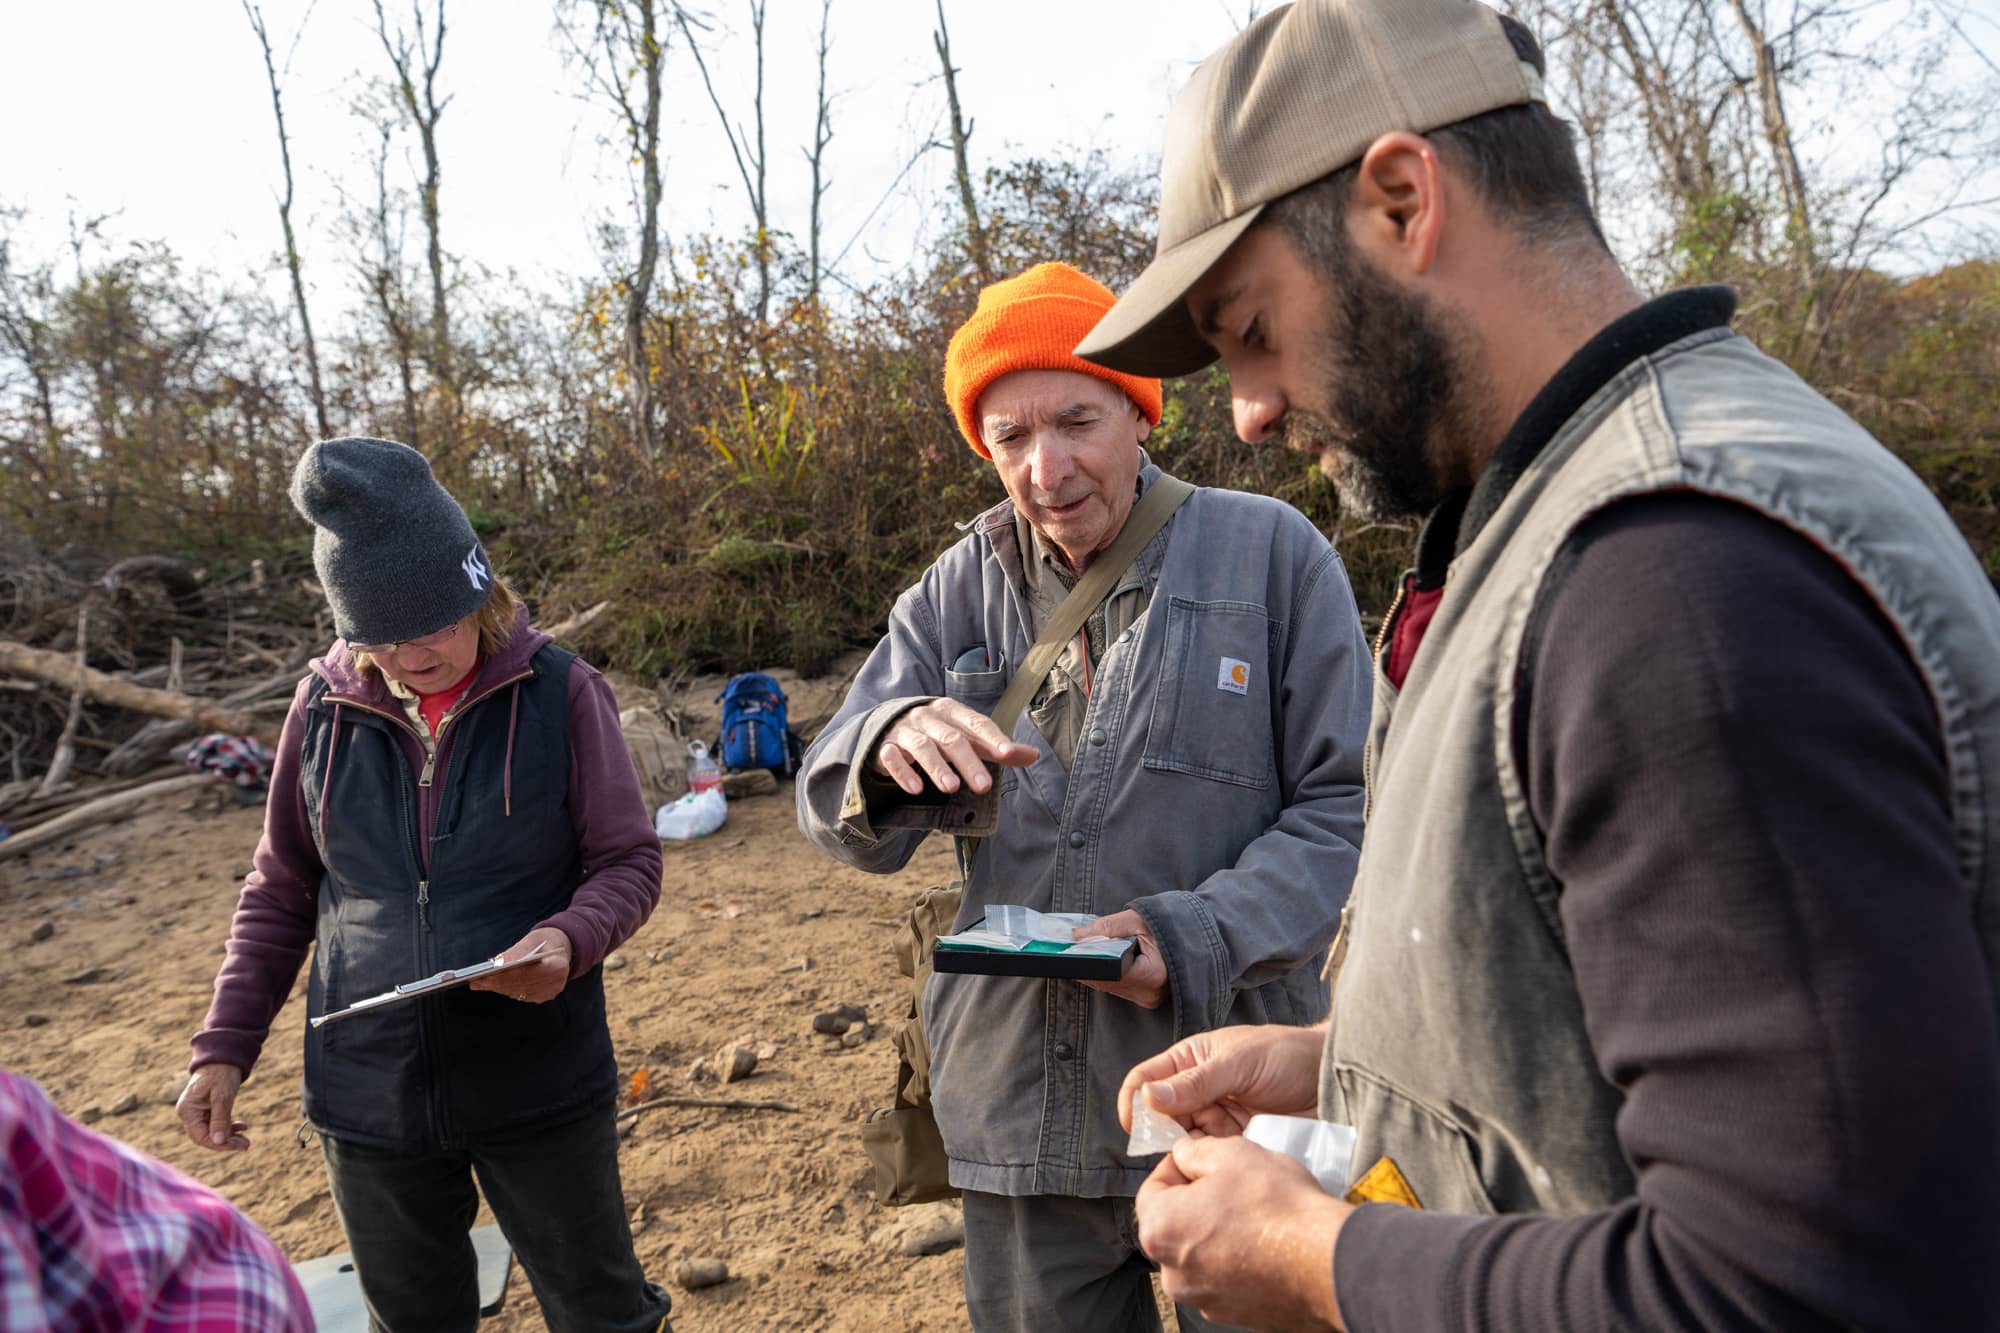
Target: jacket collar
{"type": "Point", "coordinates": [1458, 520]}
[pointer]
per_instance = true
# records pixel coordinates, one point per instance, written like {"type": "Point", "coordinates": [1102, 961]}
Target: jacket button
{"type": "Point", "coordinates": [1097, 736]}
{"type": "Point", "coordinates": [1076, 839]}
{"type": "Point", "coordinates": [1063, 1050]}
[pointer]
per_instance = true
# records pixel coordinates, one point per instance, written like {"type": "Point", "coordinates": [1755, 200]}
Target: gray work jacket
{"type": "Point", "coordinates": [1226, 812]}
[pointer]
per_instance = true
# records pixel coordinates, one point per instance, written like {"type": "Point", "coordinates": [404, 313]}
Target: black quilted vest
{"type": "Point", "coordinates": [464, 1066]}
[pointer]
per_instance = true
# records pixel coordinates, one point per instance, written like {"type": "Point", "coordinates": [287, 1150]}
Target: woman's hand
{"type": "Point", "coordinates": [206, 1106]}
{"type": "Point", "coordinates": [536, 982]}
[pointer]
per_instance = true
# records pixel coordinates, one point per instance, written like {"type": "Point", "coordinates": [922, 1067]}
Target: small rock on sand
{"type": "Point", "coordinates": [36, 1020]}
{"type": "Point", "coordinates": [836, 1021]}
{"type": "Point", "coordinates": [125, 1105]}
{"type": "Point", "coordinates": [42, 931]}
{"type": "Point", "coordinates": [931, 1228]}
{"type": "Point", "coordinates": [734, 1062]}
{"type": "Point", "coordinates": [694, 1274]}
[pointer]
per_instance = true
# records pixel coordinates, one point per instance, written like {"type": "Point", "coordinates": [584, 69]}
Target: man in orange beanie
{"type": "Point", "coordinates": [1187, 775]}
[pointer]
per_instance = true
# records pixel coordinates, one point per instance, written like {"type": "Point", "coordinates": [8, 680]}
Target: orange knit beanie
{"type": "Point", "coordinates": [1032, 322]}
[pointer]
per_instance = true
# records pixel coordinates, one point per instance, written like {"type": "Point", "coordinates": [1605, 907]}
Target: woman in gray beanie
{"type": "Point", "coordinates": [450, 786]}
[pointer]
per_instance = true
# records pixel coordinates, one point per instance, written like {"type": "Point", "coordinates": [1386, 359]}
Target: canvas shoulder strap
{"type": "Point", "coordinates": [1149, 515]}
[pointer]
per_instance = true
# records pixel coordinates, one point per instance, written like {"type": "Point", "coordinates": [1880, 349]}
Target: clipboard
{"type": "Point", "coordinates": [445, 980]}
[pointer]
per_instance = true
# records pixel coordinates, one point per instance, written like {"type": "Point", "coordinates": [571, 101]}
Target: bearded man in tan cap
{"type": "Point", "coordinates": [1676, 932]}
{"type": "Point", "coordinates": [1188, 774]}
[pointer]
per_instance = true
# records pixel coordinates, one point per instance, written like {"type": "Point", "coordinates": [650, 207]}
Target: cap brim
{"type": "Point", "coordinates": [1149, 331]}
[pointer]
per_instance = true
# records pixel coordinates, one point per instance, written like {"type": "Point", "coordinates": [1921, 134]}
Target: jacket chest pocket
{"type": "Point", "coordinates": [981, 691]}
{"type": "Point", "coordinates": [1211, 704]}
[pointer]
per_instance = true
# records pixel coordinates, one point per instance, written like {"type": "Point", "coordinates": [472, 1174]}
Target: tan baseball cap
{"type": "Point", "coordinates": [1298, 94]}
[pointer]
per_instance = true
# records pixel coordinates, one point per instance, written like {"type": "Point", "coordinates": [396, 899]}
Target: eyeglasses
{"type": "Point", "coordinates": [437, 640]}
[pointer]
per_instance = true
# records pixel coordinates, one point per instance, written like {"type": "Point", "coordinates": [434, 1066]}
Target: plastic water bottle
{"type": "Point", "coordinates": [703, 775]}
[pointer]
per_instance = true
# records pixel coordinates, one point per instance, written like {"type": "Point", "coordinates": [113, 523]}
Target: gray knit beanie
{"type": "Point", "coordinates": [396, 554]}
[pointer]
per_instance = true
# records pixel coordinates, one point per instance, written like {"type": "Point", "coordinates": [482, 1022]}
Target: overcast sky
{"type": "Point", "coordinates": [159, 113]}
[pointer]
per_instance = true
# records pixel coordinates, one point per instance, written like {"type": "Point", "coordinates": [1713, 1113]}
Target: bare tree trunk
{"type": "Point", "coordinates": [749, 162]}
{"type": "Point", "coordinates": [1791, 179]}
{"type": "Point", "coordinates": [93, 812]}
{"type": "Point", "coordinates": [649, 243]}
{"type": "Point", "coordinates": [62, 669]}
{"type": "Point", "coordinates": [822, 136]}
{"type": "Point", "coordinates": [424, 111]}
{"type": "Point", "coordinates": [626, 43]}
{"type": "Point", "coordinates": [66, 744]}
{"type": "Point", "coordinates": [385, 284]}
{"type": "Point", "coordinates": [961, 130]}
{"type": "Point", "coordinates": [762, 199]}
{"type": "Point", "coordinates": [285, 218]}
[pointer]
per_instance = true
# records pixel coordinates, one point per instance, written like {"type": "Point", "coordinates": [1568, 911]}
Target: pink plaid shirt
{"type": "Point", "coordinates": [98, 1236]}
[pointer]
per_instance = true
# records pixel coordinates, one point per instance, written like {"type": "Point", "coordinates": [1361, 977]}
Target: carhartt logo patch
{"type": "Point", "coordinates": [475, 569]}
{"type": "Point", "coordinates": [1233, 676]}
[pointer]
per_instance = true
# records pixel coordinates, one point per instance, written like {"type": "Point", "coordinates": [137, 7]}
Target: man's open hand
{"type": "Point", "coordinates": [950, 744]}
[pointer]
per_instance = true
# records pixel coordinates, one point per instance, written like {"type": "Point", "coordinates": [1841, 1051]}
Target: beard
{"type": "Point", "coordinates": [1397, 390]}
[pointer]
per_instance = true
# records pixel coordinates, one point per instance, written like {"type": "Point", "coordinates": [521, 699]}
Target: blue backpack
{"type": "Point", "coordinates": [755, 732]}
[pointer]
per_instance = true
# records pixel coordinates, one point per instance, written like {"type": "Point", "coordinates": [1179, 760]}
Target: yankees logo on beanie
{"type": "Point", "coordinates": [396, 554]}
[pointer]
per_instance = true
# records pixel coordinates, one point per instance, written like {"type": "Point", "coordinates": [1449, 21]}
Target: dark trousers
{"type": "Point", "coordinates": [1046, 1263]}
{"type": "Point", "coordinates": [557, 1198]}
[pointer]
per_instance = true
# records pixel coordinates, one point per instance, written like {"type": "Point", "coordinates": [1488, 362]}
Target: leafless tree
{"type": "Point", "coordinates": [285, 205]}
{"type": "Point", "coordinates": [378, 234]}
{"type": "Point", "coordinates": [961, 130]}
{"type": "Point", "coordinates": [822, 136]}
{"type": "Point", "coordinates": [749, 160]}
{"type": "Point", "coordinates": [29, 340]}
{"type": "Point", "coordinates": [416, 63]}
{"type": "Point", "coordinates": [1784, 156]}
{"type": "Point", "coordinates": [623, 53]}
{"type": "Point", "coordinates": [1690, 108]}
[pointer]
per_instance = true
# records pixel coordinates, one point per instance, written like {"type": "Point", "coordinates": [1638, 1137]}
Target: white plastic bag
{"type": "Point", "coordinates": [695, 815]}
{"type": "Point", "coordinates": [1322, 1147]}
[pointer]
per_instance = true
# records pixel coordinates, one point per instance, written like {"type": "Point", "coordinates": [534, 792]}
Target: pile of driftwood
{"type": "Point", "coordinates": [106, 677]}
{"type": "Point", "coordinates": [104, 681]}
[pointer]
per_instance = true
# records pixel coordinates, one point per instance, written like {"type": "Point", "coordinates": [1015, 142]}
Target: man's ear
{"type": "Point", "coordinates": [1139, 415]}
{"type": "Point", "coordinates": [1396, 210]}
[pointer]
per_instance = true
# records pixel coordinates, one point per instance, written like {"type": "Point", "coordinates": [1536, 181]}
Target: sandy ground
{"type": "Point", "coordinates": [783, 1199]}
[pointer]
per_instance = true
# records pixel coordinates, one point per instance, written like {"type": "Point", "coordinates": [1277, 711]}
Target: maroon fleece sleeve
{"type": "Point", "coordinates": [621, 853]}
{"type": "Point", "coordinates": [273, 925]}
